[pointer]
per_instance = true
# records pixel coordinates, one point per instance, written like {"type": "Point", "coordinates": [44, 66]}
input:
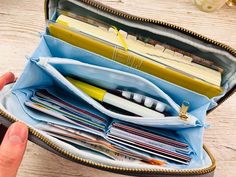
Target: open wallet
{"type": "Point", "coordinates": [121, 93]}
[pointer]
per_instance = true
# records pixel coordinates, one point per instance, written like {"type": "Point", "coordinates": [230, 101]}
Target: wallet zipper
{"type": "Point", "coordinates": [113, 11]}
{"type": "Point", "coordinates": [121, 169]}
{"type": "Point", "coordinates": [119, 13]}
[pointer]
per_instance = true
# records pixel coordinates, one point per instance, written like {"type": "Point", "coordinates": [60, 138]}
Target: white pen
{"type": "Point", "coordinates": [103, 96]}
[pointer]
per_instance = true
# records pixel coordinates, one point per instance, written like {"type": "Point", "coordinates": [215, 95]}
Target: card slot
{"type": "Point", "coordinates": [168, 143]}
{"type": "Point", "coordinates": [24, 95]}
{"type": "Point", "coordinates": [80, 112]}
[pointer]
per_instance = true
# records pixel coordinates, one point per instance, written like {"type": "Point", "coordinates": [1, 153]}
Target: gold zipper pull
{"type": "Point", "coordinates": [183, 110]}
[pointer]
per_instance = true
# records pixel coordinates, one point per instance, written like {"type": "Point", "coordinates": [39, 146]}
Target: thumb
{"type": "Point", "coordinates": [12, 149]}
{"type": "Point", "coordinates": [6, 79]}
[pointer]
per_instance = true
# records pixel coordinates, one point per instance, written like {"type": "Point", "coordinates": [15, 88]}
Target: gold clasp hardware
{"type": "Point", "coordinates": [183, 110]}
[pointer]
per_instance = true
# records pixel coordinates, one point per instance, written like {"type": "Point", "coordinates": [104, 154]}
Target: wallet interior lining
{"type": "Point", "coordinates": [52, 47]}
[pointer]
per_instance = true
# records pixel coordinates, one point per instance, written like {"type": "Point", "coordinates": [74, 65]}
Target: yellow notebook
{"type": "Point", "coordinates": [129, 42]}
{"type": "Point", "coordinates": [130, 59]}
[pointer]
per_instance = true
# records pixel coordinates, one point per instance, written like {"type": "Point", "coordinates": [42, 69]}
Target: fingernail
{"type": "Point", "coordinates": [18, 133]}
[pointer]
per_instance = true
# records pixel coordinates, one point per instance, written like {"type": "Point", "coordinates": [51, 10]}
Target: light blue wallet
{"type": "Point", "coordinates": [53, 59]}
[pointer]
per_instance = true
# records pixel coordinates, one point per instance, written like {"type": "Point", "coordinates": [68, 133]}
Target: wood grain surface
{"type": "Point", "coordinates": [20, 24]}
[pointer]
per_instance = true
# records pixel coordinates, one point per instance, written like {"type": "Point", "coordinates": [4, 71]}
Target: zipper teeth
{"type": "Point", "coordinates": [105, 8]}
{"type": "Point", "coordinates": [165, 24]}
{"type": "Point", "coordinates": [112, 168]}
{"type": "Point", "coordinates": [172, 26]}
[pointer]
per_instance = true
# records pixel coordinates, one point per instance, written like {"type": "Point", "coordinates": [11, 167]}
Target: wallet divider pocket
{"type": "Point", "coordinates": [118, 79]}
{"type": "Point", "coordinates": [44, 79]}
{"type": "Point", "coordinates": [24, 95]}
{"type": "Point", "coordinates": [62, 49]}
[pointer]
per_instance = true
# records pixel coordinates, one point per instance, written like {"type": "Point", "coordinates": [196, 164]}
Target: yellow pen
{"type": "Point", "coordinates": [111, 99]}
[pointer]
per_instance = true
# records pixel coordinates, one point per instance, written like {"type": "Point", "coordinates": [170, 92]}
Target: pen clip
{"type": "Point", "coordinates": [183, 110]}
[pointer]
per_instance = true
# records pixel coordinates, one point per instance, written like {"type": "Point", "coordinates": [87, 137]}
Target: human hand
{"type": "Point", "coordinates": [12, 149]}
{"type": "Point", "coordinates": [14, 143]}
{"type": "Point", "coordinates": [6, 79]}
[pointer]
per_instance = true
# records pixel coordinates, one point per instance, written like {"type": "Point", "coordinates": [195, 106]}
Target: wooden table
{"type": "Point", "coordinates": [22, 20]}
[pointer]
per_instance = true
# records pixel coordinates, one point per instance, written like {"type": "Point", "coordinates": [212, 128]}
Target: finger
{"type": "Point", "coordinates": [12, 149]}
{"type": "Point", "coordinates": [6, 79]}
